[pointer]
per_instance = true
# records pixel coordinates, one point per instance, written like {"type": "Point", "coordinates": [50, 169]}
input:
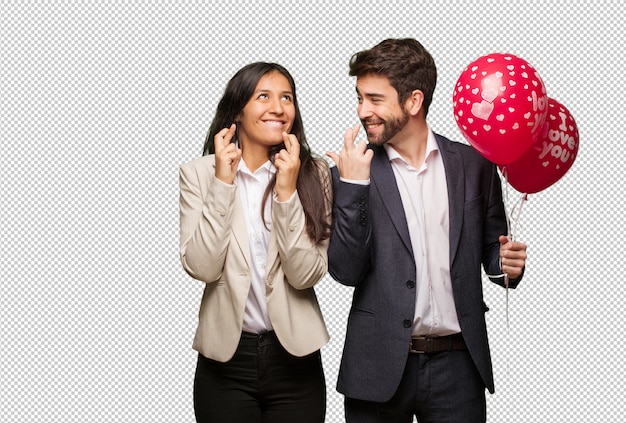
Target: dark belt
{"type": "Point", "coordinates": [432, 345]}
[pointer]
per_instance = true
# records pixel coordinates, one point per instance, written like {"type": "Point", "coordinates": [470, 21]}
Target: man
{"type": "Point", "coordinates": [415, 217]}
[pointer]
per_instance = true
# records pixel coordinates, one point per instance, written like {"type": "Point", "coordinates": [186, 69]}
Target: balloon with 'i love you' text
{"type": "Point", "coordinates": [550, 157]}
{"type": "Point", "coordinates": [500, 105]}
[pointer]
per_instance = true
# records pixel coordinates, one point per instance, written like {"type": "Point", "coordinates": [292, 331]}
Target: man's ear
{"type": "Point", "coordinates": [414, 103]}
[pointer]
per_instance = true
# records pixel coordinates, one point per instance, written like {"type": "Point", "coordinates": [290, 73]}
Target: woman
{"type": "Point", "coordinates": [255, 218]}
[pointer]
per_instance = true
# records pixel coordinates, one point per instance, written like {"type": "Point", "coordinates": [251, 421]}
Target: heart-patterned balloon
{"type": "Point", "coordinates": [550, 156]}
{"type": "Point", "coordinates": [500, 105]}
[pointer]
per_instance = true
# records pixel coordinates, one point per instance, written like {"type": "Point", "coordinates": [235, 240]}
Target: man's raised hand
{"type": "Point", "coordinates": [353, 161]}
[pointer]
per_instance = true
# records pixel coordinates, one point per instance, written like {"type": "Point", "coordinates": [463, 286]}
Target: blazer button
{"type": "Point", "coordinates": [407, 323]}
{"type": "Point", "coordinates": [410, 284]}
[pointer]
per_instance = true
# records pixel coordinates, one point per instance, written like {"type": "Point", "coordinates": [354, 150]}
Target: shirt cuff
{"type": "Point", "coordinates": [355, 181]}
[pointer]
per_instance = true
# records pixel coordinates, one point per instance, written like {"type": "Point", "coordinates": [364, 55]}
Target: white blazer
{"type": "Point", "coordinates": [214, 249]}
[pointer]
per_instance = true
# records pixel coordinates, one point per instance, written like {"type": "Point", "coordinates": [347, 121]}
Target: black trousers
{"type": "Point", "coordinates": [436, 388]}
{"type": "Point", "coordinates": [261, 383]}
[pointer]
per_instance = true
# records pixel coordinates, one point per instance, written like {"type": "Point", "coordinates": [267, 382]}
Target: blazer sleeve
{"type": "Point", "coordinates": [350, 243]}
{"type": "Point", "coordinates": [205, 221]}
{"type": "Point", "coordinates": [303, 261]}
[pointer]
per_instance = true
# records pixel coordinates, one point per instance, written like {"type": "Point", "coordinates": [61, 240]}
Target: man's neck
{"type": "Point", "coordinates": [411, 144]}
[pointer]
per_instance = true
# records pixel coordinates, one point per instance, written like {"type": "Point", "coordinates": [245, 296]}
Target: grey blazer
{"type": "Point", "coordinates": [371, 250]}
{"type": "Point", "coordinates": [214, 249]}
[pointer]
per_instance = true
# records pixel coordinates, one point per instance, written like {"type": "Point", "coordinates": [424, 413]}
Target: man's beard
{"type": "Point", "coordinates": [391, 128]}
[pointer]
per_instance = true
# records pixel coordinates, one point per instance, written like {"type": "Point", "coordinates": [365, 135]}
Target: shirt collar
{"type": "Point", "coordinates": [267, 167]}
{"type": "Point", "coordinates": [431, 148]}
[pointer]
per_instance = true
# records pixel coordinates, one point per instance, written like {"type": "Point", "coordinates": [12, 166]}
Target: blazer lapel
{"type": "Point", "coordinates": [384, 181]}
{"type": "Point", "coordinates": [455, 179]}
{"type": "Point", "coordinates": [239, 225]}
{"type": "Point", "coordinates": [240, 229]}
{"type": "Point", "coordinates": [272, 253]}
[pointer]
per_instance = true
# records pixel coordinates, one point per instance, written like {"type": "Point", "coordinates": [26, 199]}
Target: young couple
{"type": "Point", "coordinates": [407, 219]}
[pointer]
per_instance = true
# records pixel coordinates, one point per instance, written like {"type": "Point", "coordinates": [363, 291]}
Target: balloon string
{"type": "Point", "coordinates": [511, 232]}
{"type": "Point", "coordinates": [511, 236]}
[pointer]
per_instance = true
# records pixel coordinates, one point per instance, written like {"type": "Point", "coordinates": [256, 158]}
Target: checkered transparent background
{"type": "Point", "coordinates": [101, 101]}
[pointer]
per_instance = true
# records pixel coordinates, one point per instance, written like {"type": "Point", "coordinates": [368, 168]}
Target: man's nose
{"type": "Point", "coordinates": [365, 110]}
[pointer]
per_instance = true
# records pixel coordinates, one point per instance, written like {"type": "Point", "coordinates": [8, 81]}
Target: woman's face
{"type": "Point", "coordinates": [268, 113]}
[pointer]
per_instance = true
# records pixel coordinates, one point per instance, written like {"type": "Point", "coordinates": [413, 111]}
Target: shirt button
{"type": "Point", "coordinates": [407, 323]}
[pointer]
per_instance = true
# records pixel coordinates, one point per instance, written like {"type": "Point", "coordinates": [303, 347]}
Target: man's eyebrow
{"type": "Point", "coordinates": [369, 94]}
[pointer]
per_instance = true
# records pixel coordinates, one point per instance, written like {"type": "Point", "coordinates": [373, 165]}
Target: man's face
{"type": "Point", "coordinates": [380, 113]}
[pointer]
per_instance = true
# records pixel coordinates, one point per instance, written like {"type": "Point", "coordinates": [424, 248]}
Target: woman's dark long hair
{"type": "Point", "coordinates": [313, 192]}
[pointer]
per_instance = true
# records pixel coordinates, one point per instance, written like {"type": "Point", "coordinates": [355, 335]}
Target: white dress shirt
{"type": "Point", "coordinates": [251, 187]}
{"type": "Point", "coordinates": [424, 196]}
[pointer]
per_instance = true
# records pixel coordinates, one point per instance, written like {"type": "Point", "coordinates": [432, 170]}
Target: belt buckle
{"type": "Point", "coordinates": [427, 348]}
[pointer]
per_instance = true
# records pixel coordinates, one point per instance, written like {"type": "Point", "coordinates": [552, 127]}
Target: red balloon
{"type": "Point", "coordinates": [500, 104]}
{"type": "Point", "coordinates": [550, 157]}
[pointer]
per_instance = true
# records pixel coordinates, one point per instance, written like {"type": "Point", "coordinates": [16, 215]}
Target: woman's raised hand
{"type": "Point", "coordinates": [227, 155]}
{"type": "Point", "coordinates": [287, 162]}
